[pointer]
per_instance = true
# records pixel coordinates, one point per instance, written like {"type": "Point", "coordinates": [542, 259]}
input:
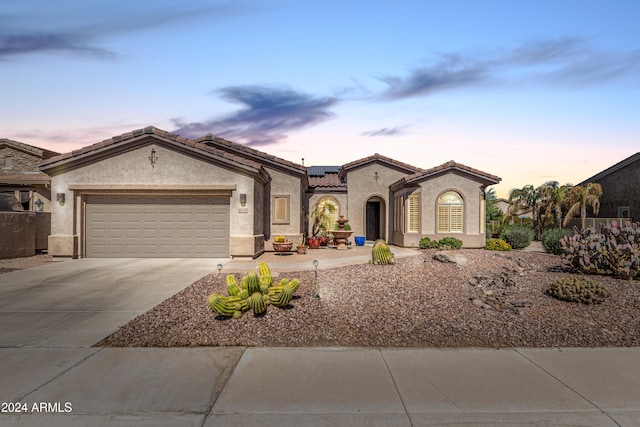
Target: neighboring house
{"type": "Point", "coordinates": [20, 176]}
{"type": "Point", "coordinates": [620, 189]}
{"type": "Point", "coordinates": [151, 193]}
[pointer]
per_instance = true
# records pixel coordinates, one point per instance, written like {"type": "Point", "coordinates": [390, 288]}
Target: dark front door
{"type": "Point", "coordinates": [373, 220]}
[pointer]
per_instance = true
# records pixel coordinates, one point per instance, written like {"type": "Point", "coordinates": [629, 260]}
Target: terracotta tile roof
{"type": "Point", "coordinates": [328, 180]}
{"type": "Point", "coordinates": [383, 159]}
{"type": "Point", "coordinates": [150, 130]}
{"type": "Point", "coordinates": [622, 164]}
{"type": "Point", "coordinates": [446, 167]}
{"type": "Point", "coordinates": [36, 151]}
{"type": "Point", "coordinates": [243, 150]}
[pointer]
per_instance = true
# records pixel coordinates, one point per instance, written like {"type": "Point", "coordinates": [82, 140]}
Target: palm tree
{"type": "Point", "coordinates": [523, 199]}
{"type": "Point", "coordinates": [553, 195]}
{"type": "Point", "coordinates": [582, 196]}
{"type": "Point", "coordinates": [493, 212]}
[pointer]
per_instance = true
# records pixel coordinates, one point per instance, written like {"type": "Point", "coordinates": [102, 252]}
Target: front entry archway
{"type": "Point", "coordinates": [375, 218]}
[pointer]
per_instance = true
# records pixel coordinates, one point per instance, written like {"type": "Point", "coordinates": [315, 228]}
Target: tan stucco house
{"type": "Point", "coordinates": [151, 193]}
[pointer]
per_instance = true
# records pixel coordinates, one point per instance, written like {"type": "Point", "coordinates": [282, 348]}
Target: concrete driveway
{"type": "Point", "coordinates": [76, 303]}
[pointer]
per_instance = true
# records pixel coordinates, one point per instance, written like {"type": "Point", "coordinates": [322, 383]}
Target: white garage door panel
{"type": "Point", "coordinates": [157, 227]}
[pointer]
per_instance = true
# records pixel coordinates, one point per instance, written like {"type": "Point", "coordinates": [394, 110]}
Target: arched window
{"type": "Point", "coordinates": [334, 212]}
{"type": "Point", "coordinates": [450, 213]}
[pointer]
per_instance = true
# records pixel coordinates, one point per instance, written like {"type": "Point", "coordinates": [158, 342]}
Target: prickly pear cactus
{"type": "Point", "coordinates": [255, 292]}
{"type": "Point", "coordinates": [614, 251]}
{"type": "Point", "coordinates": [381, 253]}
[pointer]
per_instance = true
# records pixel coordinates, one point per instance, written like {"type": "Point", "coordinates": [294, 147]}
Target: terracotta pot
{"type": "Point", "coordinates": [324, 241]}
{"type": "Point", "coordinates": [302, 250]}
{"type": "Point", "coordinates": [282, 246]}
{"type": "Point", "coordinates": [313, 242]}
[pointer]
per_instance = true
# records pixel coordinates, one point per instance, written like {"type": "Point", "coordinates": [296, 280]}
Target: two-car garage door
{"type": "Point", "coordinates": [153, 226]}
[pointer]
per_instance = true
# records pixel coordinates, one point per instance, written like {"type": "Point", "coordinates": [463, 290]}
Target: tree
{"type": "Point", "coordinates": [523, 199]}
{"type": "Point", "coordinates": [493, 212]}
{"type": "Point", "coordinates": [580, 197]}
{"type": "Point", "coordinates": [553, 197]}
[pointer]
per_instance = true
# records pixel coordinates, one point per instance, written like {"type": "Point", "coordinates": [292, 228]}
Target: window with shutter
{"type": "Point", "coordinates": [281, 209]}
{"type": "Point", "coordinates": [413, 211]}
{"type": "Point", "coordinates": [450, 213]}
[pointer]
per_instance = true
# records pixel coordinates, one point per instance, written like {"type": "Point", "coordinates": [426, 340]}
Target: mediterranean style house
{"type": "Point", "coordinates": [151, 193]}
{"type": "Point", "coordinates": [620, 189]}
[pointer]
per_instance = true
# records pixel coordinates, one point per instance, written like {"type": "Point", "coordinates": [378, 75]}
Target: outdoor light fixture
{"type": "Point", "coordinates": [243, 200]}
{"type": "Point", "coordinates": [60, 198]}
{"type": "Point", "coordinates": [39, 204]}
{"type": "Point", "coordinates": [153, 158]}
{"type": "Point", "coordinates": [219, 269]}
{"type": "Point", "coordinates": [375, 176]}
{"type": "Point", "coordinates": [315, 264]}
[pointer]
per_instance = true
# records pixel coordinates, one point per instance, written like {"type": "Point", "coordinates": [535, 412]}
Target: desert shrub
{"type": "Point", "coordinates": [614, 251]}
{"type": "Point", "coordinates": [497, 245]}
{"type": "Point", "coordinates": [448, 243]}
{"type": "Point", "coordinates": [551, 239]}
{"type": "Point", "coordinates": [578, 289]}
{"type": "Point", "coordinates": [427, 243]}
{"type": "Point", "coordinates": [517, 236]}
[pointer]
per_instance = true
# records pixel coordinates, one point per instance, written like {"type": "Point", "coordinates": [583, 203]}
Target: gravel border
{"type": "Point", "coordinates": [418, 302]}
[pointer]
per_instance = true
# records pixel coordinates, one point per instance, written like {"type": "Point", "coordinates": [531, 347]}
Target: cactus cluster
{"type": "Point", "coordinates": [582, 290]}
{"type": "Point", "coordinates": [254, 292]}
{"type": "Point", "coordinates": [381, 253]}
{"type": "Point", "coordinates": [614, 251]}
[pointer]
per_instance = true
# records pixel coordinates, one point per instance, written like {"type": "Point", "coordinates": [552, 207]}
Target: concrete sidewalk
{"type": "Point", "coordinates": [320, 387]}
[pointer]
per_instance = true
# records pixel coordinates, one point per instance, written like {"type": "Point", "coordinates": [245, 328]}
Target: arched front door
{"type": "Point", "coordinates": [375, 218]}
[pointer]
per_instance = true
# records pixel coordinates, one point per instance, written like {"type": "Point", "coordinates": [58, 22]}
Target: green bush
{"type": "Point", "coordinates": [448, 243]}
{"type": "Point", "coordinates": [517, 236]}
{"type": "Point", "coordinates": [582, 290]}
{"type": "Point", "coordinates": [551, 239]}
{"type": "Point", "coordinates": [497, 245]}
{"type": "Point", "coordinates": [427, 243]}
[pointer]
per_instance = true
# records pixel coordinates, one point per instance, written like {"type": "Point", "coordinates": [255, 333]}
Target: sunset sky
{"type": "Point", "coordinates": [530, 91]}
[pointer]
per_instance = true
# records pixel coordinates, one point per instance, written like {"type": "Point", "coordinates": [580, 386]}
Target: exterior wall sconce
{"type": "Point", "coordinates": [39, 204]}
{"type": "Point", "coordinates": [375, 176]}
{"type": "Point", "coordinates": [60, 198]}
{"type": "Point", "coordinates": [153, 158]}
{"type": "Point", "coordinates": [243, 200]}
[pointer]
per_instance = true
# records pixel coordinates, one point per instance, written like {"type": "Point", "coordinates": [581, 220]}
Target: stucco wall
{"type": "Point", "coordinates": [362, 186]}
{"type": "Point", "coordinates": [430, 190]}
{"type": "Point", "coordinates": [134, 168]}
{"type": "Point", "coordinates": [285, 184]}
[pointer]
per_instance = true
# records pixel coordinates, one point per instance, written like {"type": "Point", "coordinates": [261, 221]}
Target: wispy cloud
{"type": "Point", "coordinates": [267, 114]}
{"type": "Point", "coordinates": [566, 61]}
{"type": "Point", "coordinates": [78, 27]}
{"type": "Point", "coordinates": [16, 44]}
{"type": "Point", "coordinates": [396, 130]}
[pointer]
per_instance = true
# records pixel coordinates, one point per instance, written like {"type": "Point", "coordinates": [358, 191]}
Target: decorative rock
{"type": "Point", "coordinates": [450, 257]}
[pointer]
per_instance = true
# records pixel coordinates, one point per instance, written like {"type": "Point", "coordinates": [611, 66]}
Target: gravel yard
{"type": "Point", "coordinates": [419, 302]}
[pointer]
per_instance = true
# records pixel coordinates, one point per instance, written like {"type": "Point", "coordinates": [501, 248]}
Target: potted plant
{"type": "Point", "coordinates": [281, 244]}
{"type": "Point", "coordinates": [325, 237]}
{"type": "Point", "coordinates": [301, 248]}
{"type": "Point", "coordinates": [322, 219]}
